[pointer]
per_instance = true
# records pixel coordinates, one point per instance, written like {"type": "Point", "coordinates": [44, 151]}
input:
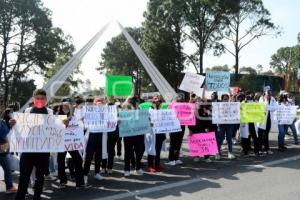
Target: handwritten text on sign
{"type": "Point", "coordinates": [286, 114]}
{"type": "Point", "coordinates": [74, 137]}
{"type": "Point", "coordinates": [185, 113]}
{"type": "Point", "coordinates": [135, 122]}
{"type": "Point", "coordinates": [226, 113]}
{"type": "Point", "coordinates": [202, 144]}
{"type": "Point", "coordinates": [165, 121]}
{"type": "Point", "coordinates": [192, 83]}
{"type": "Point", "coordinates": [37, 133]}
{"type": "Point", "coordinates": [100, 118]}
{"type": "Point", "coordinates": [217, 81]}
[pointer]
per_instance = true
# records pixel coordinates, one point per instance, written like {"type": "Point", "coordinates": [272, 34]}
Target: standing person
{"type": "Point", "coordinates": [264, 128]}
{"type": "Point", "coordinates": [134, 145]}
{"type": "Point", "coordinates": [4, 151]}
{"type": "Point", "coordinates": [282, 128]}
{"type": "Point", "coordinates": [292, 126]}
{"type": "Point", "coordinates": [154, 160]}
{"type": "Point", "coordinates": [76, 157]}
{"type": "Point", "coordinates": [38, 160]}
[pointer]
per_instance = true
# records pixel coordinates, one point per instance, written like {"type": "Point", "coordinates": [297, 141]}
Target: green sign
{"type": "Point", "coordinates": [145, 106]}
{"type": "Point", "coordinates": [253, 113]}
{"type": "Point", "coordinates": [118, 86]}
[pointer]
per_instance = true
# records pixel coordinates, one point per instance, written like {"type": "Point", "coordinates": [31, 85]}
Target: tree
{"type": "Point", "coordinates": [28, 40]}
{"type": "Point", "coordinates": [22, 91]}
{"type": "Point", "coordinates": [162, 39]}
{"type": "Point", "coordinates": [251, 21]}
{"type": "Point", "coordinates": [118, 58]}
{"type": "Point", "coordinates": [205, 20]}
{"type": "Point", "coordinates": [248, 70]}
{"type": "Point", "coordinates": [224, 68]}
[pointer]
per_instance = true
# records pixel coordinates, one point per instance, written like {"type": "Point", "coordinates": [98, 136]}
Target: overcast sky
{"type": "Point", "coordinates": [83, 18]}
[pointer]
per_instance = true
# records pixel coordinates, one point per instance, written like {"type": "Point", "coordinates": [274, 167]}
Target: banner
{"type": "Point", "coordinates": [201, 144]}
{"type": "Point", "coordinates": [286, 114]}
{"type": "Point", "coordinates": [192, 83]}
{"type": "Point", "coordinates": [134, 122]}
{"type": "Point", "coordinates": [118, 86]}
{"type": "Point", "coordinates": [226, 113]}
{"type": "Point", "coordinates": [253, 112]}
{"type": "Point", "coordinates": [100, 118]}
{"type": "Point", "coordinates": [217, 81]}
{"type": "Point", "coordinates": [164, 121]}
{"type": "Point", "coordinates": [37, 133]}
{"type": "Point", "coordinates": [185, 113]}
{"type": "Point", "coordinates": [74, 137]}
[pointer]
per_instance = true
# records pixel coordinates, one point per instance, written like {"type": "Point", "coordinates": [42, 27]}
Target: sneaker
{"type": "Point", "coordinates": [208, 160]}
{"type": "Point", "coordinates": [234, 141]}
{"type": "Point", "coordinates": [12, 190]}
{"type": "Point", "coordinates": [126, 173]}
{"type": "Point", "coordinates": [218, 156]}
{"type": "Point", "coordinates": [231, 156]}
{"type": "Point", "coordinates": [196, 159]}
{"type": "Point", "coordinates": [99, 177]}
{"type": "Point", "coordinates": [151, 170]}
{"type": "Point", "coordinates": [139, 172]}
{"type": "Point", "coordinates": [171, 163]}
{"type": "Point", "coordinates": [109, 171]}
{"type": "Point", "coordinates": [85, 178]}
{"type": "Point", "coordinates": [178, 162]}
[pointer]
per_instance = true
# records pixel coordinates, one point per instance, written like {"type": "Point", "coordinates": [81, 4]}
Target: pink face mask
{"type": "Point", "coordinates": [39, 103]}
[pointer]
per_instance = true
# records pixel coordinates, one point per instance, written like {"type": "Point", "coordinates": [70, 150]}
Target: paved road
{"type": "Point", "coordinates": [273, 177]}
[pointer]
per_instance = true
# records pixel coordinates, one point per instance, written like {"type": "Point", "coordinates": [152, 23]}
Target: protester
{"type": "Point", "coordinates": [282, 128]}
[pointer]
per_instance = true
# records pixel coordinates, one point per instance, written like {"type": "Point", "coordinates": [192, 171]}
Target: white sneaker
{"type": "Point", "coordinates": [139, 172]}
{"type": "Point", "coordinates": [171, 163]}
{"type": "Point", "coordinates": [231, 156]}
{"type": "Point", "coordinates": [85, 178]}
{"type": "Point", "coordinates": [178, 162]}
{"type": "Point", "coordinates": [99, 177]}
{"type": "Point", "coordinates": [196, 159]}
{"type": "Point", "coordinates": [218, 156]}
{"type": "Point", "coordinates": [126, 173]}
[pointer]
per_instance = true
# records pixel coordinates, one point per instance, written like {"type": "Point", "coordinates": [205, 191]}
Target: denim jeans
{"type": "Point", "coordinates": [5, 164]}
{"type": "Point", "coordinates": [225, 129]}
{"type": "Point", "coordinates": [282, 129]}
{"type": "Point", "coordinates": [294, 131]}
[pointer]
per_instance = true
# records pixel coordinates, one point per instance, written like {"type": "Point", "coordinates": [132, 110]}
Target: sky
{"type": "Point", "coordinates": [83, 18]}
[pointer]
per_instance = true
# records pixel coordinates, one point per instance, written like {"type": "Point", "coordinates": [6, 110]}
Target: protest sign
{"type": "Point", "coordinates": [226, 112]}
{"type": "Point", "coordinates": [192, 83]}
{"type": "Point", "coordinates": [100, 118]}
{"type": "Point", "coordinates": [37, 133]}
{"type": "Point", "coordinates": [118, 86]}
{"type": "Point", "coordinates": [74, 137]}
{"type": "Point", "coordinates": [253, 113]}
{"type": "Point", "coordinates": [285, 114]}
{"type": "Point", "coordinates": [201, 144]}
{"type": "Point", "coordinates": [134, 122]}
{"type": "Point", "coordinates": [217, 81]}
{"type": "Point", "coordinates": [185, 113]}
{"type": "Point", "coordinates": [164, 121]}
{"type": "Point", "coordinates": [164, 105]}
{"type": "Point", "coordinates": [145, 106]}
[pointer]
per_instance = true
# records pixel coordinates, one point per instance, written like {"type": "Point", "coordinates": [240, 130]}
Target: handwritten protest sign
{"type": "Point", "coordinates": [37, 133]}
{"type": "Point", "coordinates": [135, 122]}
{"type": "Point", "coordinates": [164, 121]}
{"type": "Point", "coordinates": [185, 113]}
{"type": "Point", "coordinates": [192, 83]}
{"type": "Point", "coordinates": [226, 112]}
{"type": "Point", "coordinates": [100, 118]}
{"type": "Point", "coordinates": [118, 86]}
{"type": "Point", "coordinates": [201, 144]}
{"type": "Point", "coordinates": [253, 113]}
{"type": "Point", "coordinates": [74, 137]}
{"type": "Point", "coordinates": [285, 114]}
{"type": "Point", "coordinates": [217, 81]}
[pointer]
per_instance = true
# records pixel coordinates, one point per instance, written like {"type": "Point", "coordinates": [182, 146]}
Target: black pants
{"type": "Point", "coordinates": [119, 147]}
{"type": "Point", "coordinates": [112, 140]}
{"type": "Point", "coordinates": [94, 146]}
{"type": "Point", "coordinates": [134, 149]}
{"type": "Point", "coordinates": [159, 139]}
{"type": "Point", "coordinates": [27, 161]}
{"type": "Point", "coordinates": [246, 142]}
{"type": "Point", "coordinates": [175, 144]}
{"type": "Point", "coordinates": [263, 136]}
{"type": "Point", "coordinates": [77, 160]}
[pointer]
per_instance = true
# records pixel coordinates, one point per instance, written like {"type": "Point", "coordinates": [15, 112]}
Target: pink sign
{"type": "Point", "coordinates": [201, 144]}
{"type": "Point", "coordinates": [185, 113]}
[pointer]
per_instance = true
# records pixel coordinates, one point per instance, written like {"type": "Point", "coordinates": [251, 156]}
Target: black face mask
{"type": "Point", "coordinates": [79, 101]}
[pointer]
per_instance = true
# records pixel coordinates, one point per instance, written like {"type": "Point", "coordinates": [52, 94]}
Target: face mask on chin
{"type": "Point", "coordinates": [39, 103]}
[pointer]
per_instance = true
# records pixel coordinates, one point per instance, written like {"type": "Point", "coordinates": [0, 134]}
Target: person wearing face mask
{"type": "Point", "coordinates": [76, 157]}
{"type": "Point", "coordinates": [38, 160]}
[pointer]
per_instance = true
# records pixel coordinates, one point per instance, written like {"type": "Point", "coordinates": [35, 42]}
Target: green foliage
{"type": "Point", "coordinates": [224, 68]}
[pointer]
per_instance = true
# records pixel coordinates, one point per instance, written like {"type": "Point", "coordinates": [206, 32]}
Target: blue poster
{"type": "Point", "coordinates": [217, 81]}
{"type": "Point", "coordinates": [134, 122]}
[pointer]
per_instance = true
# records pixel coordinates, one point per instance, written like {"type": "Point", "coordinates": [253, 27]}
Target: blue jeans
{"type": "Point", "coordinates": [282, 129]}
{"type": "Point", "coordinates": [5, 163]}
{"type": "Point", "coordinates": [225, 129]}
{"type": "Point", "coordinates": [294, 131]}
{"type": "Point", "coordinates": [51, 164]}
